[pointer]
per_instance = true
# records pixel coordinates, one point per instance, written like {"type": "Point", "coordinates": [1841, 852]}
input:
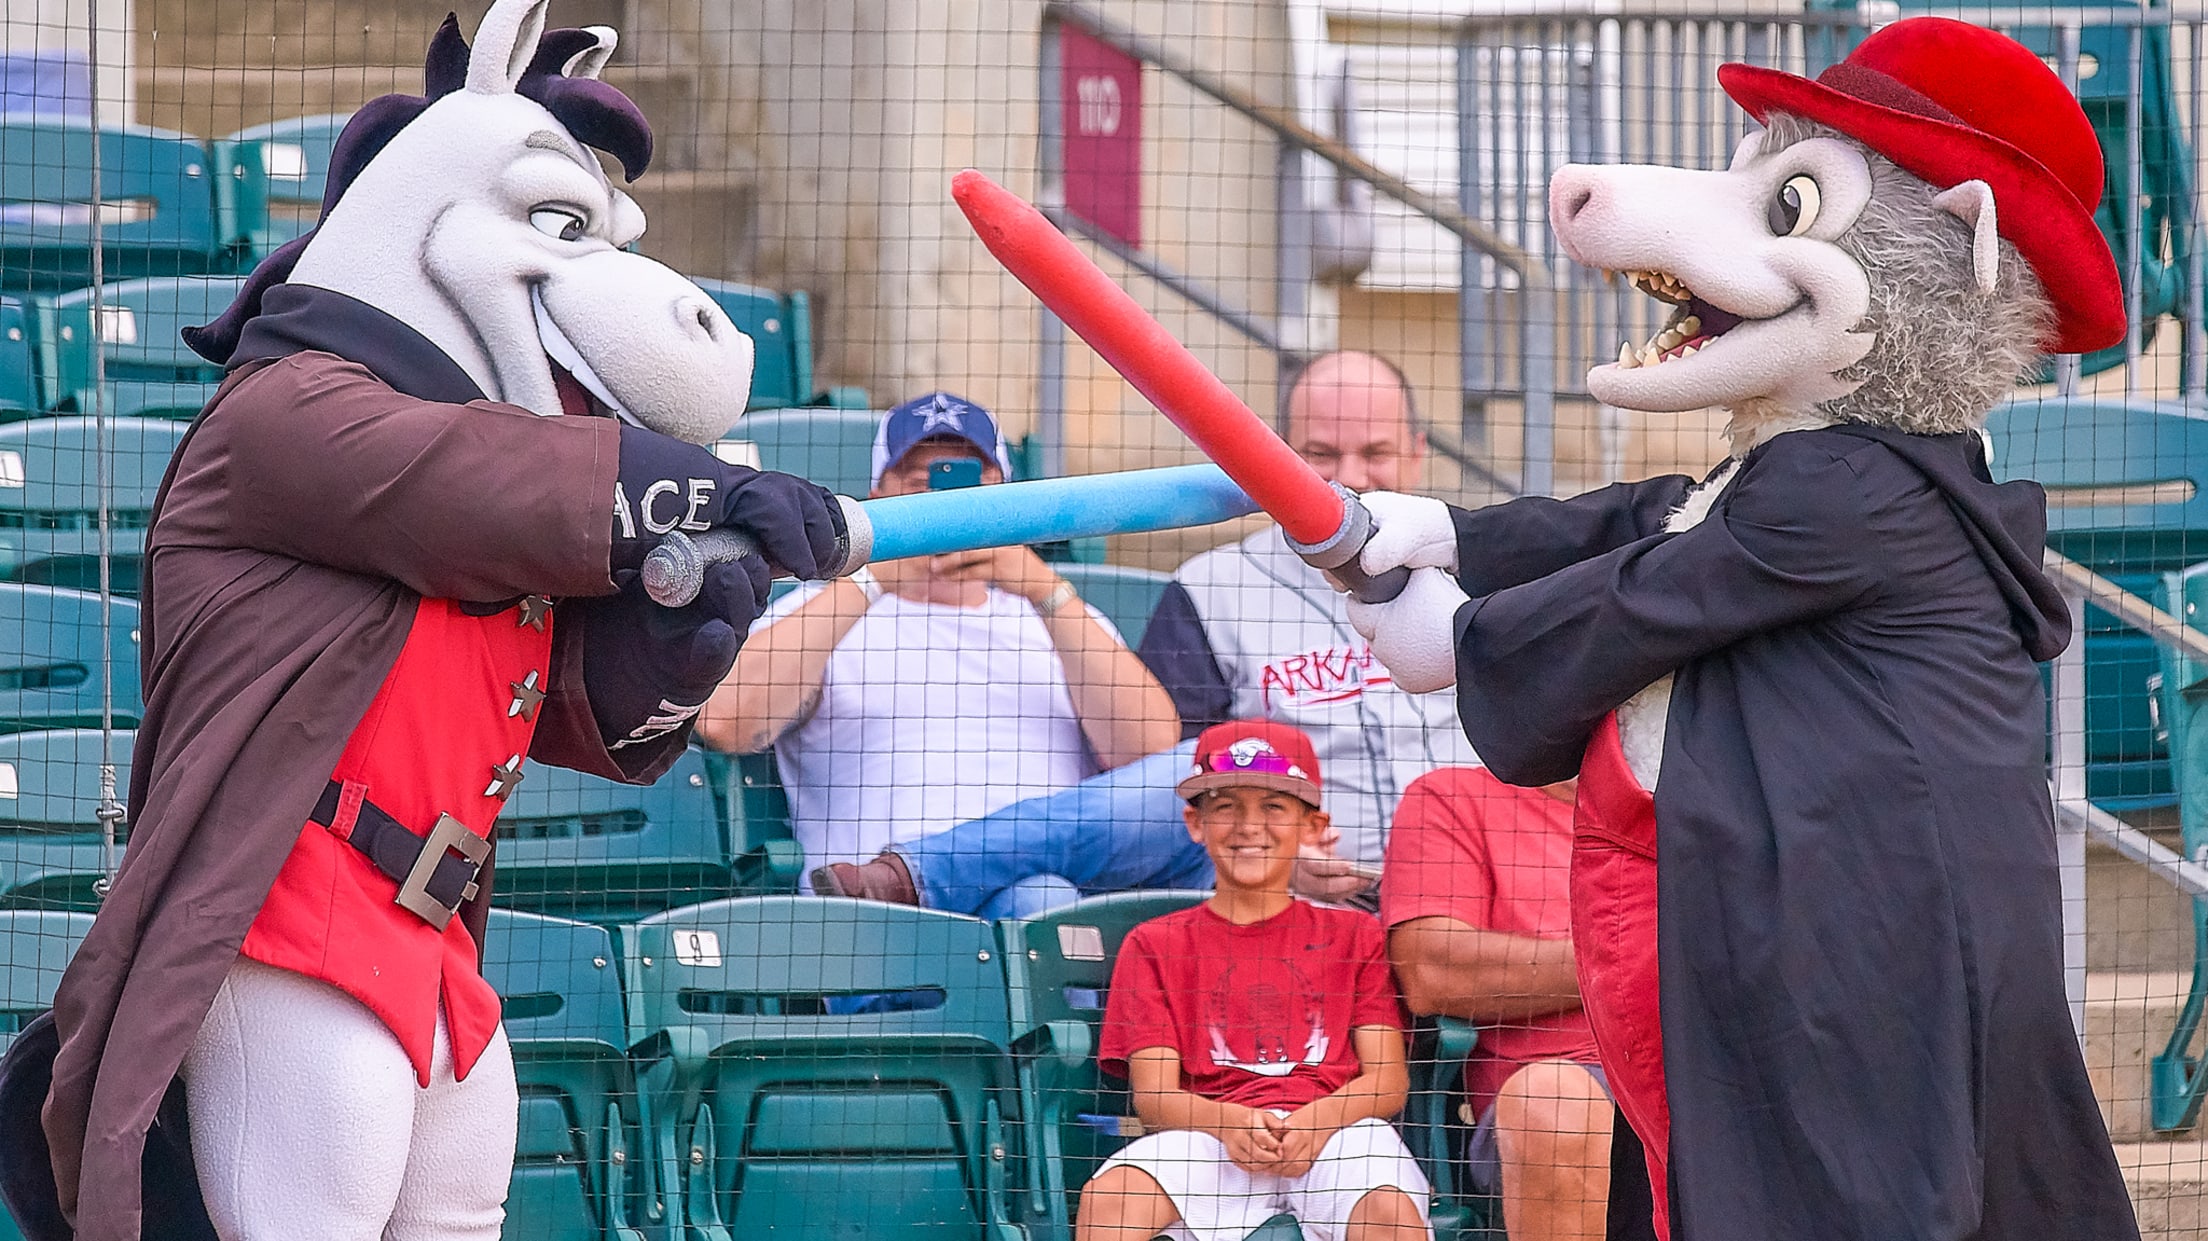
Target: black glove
{"type": "Point", "coordinates": [648, 669]}
{"type": "Point", "coordinates": [666, 484]}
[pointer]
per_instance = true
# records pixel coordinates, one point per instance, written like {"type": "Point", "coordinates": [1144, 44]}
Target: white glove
{"type": "Point", "coordinates": [1412, 531]}
{"type": "Point", "coordinates": [1414, 634]}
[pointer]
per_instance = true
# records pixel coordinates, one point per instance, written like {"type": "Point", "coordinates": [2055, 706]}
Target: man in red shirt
{"type": "Point", "coordinates": [1475, 894]}
{"type": "Point", "coordinates": [1261, 1036]}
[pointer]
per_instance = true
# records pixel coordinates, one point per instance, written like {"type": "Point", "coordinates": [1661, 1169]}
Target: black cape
{"type": "Point", "coordinates": [1865, 1027]}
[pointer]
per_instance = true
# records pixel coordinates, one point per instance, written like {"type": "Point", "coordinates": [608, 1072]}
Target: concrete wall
{"type": "Point", "coordinates": [845, 121]}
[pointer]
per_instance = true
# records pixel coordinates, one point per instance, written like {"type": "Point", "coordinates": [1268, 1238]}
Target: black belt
{"type": "Point", "coordinates": [436, 874]}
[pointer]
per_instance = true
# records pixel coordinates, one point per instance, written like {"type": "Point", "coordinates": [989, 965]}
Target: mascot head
{"type": "Point", "coordinates": [478, 215]}
{"type": "Point", "coordinates": [1896, 246]}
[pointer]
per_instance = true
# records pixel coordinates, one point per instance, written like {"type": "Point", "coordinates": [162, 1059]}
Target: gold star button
{"type": "Point", "coordinates": [526, 697]}
{"type": "Point", "coordinates": [504, 776]}
{"type": "Point", "coordinates": [534, 609]}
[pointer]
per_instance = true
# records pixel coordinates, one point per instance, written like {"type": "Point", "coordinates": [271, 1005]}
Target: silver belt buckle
{"type": "Point", "coordinates": [449, 835]}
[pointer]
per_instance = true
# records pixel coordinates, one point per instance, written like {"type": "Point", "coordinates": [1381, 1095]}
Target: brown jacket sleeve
{"type": "Point", "coordinates": [314, 458]}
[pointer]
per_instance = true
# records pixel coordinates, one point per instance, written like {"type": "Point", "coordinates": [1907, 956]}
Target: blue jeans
{"type": "Point", "coordinates": [1113, 832]}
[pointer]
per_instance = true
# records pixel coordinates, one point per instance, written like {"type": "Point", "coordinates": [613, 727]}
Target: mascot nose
{"type": "Point", "coordinates": [1571, 191]}
{"type": "Point", "coordinates": [699, 316]}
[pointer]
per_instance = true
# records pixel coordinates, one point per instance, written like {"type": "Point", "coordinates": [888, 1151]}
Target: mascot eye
{"type": "Point", "coordinates": [1794, 208]}
{"type": "Point", "coordinates": [553, 222]}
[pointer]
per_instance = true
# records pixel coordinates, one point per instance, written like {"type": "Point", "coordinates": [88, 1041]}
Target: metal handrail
{"type": "Point", "coordinates": [1295, 139]}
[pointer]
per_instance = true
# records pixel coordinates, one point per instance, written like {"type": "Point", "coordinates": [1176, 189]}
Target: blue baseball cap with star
{"type": "Point", "coordinates": [938, 414]}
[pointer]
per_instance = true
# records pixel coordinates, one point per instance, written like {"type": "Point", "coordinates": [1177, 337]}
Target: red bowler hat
{"type": "Point", "coordinates": [1952, 102]}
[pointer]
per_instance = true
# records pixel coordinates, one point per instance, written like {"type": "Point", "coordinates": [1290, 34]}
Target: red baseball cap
{"type": "Point", "coordinates": [1254, 753]}
{"type": "Point", "coordinates": [1953, 102]}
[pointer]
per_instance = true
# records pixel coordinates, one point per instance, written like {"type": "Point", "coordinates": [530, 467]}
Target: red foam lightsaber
{"type": "Point", "coordinates": [1323, 521]}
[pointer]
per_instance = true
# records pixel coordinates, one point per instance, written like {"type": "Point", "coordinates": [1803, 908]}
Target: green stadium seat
{"type": "Point", "coordinates": [291, 159]}
{"type": "Point", "coordinates": [2176, 1080]}
{"type": "Point", "coordinates": [575, 1178]}
{"type": "Point", "coordinates": [768, 858]}
{"type": "Point", "coordinates": [19, 394]}
{"type": "Point", "coordinates": [49, 497]}
{"type": "Point", "coordinates": [139, 335]}
{"type": "Point", "coordinates": [51, 654]}
{"type": "Point", "coordinates": [2127, 496]}
{"type": "Point", "coordinates": [1127, 596]}
{"type": "Point", "coordinates": [35, 947]}
{"type": "Point", "coordinates": [582, 846]}
{"type": "Point", "coordinates": [157, 211]}
{"type": "Point", "coordinates": [832, 447]}
{"type": "Point", "coordinates": [51, 855]}
{"type": "Point", "coordinates": [1058, 969]}
{"type": "Point", "coordinates": [770, 1115]}
{"type": "Point", "coordinates": [144, 398]}
{"type": "Point", "coordinates": [1439, 1048]}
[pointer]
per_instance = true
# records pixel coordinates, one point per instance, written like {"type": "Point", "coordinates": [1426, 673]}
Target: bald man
{"type": "Point", "coordinates": [1244, 631]}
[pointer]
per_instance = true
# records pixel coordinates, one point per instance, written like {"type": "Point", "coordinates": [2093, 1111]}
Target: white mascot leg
{"type": "Point", "coordinates": [307, 1122]}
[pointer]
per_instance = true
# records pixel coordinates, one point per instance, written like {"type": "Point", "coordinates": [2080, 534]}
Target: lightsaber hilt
{"type": "Point", "coordinates": [674, 572]}
{"type": "Point", "coordinates": [1336, 555]}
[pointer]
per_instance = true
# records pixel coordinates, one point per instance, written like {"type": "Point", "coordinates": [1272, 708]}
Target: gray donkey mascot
{"type": "Point", "coordinates": [1816, 915]}
{"type": "Point", "coordinates": [396, 553]}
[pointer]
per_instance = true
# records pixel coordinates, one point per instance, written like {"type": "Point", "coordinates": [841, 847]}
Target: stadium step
{"type": "Point", "coordinates": [2134, 920]}
{"type": "Point", "coordinates": [2128, 1018]}
{"type": "Point", "coordinates": [2169, 1188]}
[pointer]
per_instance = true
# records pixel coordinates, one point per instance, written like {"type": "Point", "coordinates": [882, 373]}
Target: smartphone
{"type": "Point", "coordinates": [954, 473]}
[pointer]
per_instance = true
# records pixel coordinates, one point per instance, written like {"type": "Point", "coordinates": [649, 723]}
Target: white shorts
{"type": "Point", "coordinates": [1219, 1200]}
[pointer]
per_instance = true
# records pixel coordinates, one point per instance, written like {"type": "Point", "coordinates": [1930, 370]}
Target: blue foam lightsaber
{"type": "Point", "coordinates": [935, 523]}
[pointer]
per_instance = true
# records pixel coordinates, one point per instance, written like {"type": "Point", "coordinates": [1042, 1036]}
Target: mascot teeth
{"type": "Point", "coordinates": [1693, 325]}
{"type": "Point", "coordinates": [1659, 284]}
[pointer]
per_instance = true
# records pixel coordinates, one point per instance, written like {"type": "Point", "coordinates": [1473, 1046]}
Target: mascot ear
{"type": "Point", "coordinates": [591, 60]}
{"type": "Point", "coordinates": [504, 45]}
{"type": "Point", "coordinates": [1972, 203]}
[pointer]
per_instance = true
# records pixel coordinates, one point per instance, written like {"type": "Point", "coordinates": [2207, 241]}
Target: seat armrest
{"type": "Point", "coordinates": [1455, 1039]}
{"type": "Point", "coordinates": [771, 868]}
{"type": "Point", "coordinates": [1062, 1044]}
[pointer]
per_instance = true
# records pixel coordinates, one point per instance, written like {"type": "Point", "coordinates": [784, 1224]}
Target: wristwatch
{"type": "Point", "coordinates": [1059, 597]}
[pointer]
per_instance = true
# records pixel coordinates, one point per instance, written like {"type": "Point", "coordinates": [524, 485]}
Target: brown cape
{"type": "Point", "coordinates": [307, 510]}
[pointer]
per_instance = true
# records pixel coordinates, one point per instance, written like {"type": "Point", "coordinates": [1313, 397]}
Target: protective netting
{"type": "Point", "coordinates": [864, 959]}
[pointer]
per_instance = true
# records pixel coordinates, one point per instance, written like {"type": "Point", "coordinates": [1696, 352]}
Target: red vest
{"type": "Point", "coordinates": [454, 716]}
{"type": "Point", "coordinates": [1614, 944]}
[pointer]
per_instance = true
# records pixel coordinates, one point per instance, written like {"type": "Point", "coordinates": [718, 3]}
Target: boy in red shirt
{"type": "Point", "coordinates": [1261, 1036]}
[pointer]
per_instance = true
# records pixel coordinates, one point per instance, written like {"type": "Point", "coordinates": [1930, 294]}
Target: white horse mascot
{"type": "Point", "coordinates": [395, 554]}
